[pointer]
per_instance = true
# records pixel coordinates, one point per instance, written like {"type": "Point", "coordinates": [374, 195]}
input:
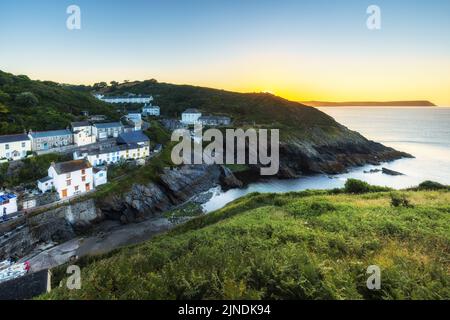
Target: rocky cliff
{"type": "Point", "coordinates": [55, 225]}
{"type": "Point", "coordinates": [174, 187]}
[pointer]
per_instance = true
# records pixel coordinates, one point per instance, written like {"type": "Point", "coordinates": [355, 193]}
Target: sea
{"type": "Point", "coordinates": [423, 132]}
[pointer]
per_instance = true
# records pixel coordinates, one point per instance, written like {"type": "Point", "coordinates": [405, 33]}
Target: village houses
{"type": "Point", "coordinates": [131, 98]}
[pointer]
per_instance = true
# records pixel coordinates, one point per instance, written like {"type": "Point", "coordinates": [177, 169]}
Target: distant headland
{"type": "Point", "coordinates": [414, 103]}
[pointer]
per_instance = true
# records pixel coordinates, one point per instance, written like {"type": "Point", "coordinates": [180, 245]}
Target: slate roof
{"type": "Point", "coordinates": [52, 133]}
{"type": "Point", "coordinates": [72, 166]}
{"type": "Point", "coordinates": [44, 180]}
{"type": "Point", "coordinates": [132, 137]}
{"type": "Point", "coordinates": [14, 138]}
{"type": "Point", "coordinates": [113, 149]}
{"type": "Point", "coordinates": [191, 110]}
{"type": "Point", "coordinates": [108, 125]}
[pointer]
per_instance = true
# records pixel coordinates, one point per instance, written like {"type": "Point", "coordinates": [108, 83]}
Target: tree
{"type": "Point", "coordinates": [3, 108]}
{"type": "Point", "coordinates": [100, 85]}
{"type": "Point", "coordinates": [114, 83]}
{"type": "Point", "coordinates": [4, 97]}
{"type": "Point", "coordinates": [27, 99]}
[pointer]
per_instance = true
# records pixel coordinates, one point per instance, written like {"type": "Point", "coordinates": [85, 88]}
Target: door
{"type": "Point", "coordinates": [64, 193]}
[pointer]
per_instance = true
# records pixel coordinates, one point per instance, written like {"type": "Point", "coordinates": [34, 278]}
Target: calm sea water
{"type": "Point", "coordinates": [422, 132]}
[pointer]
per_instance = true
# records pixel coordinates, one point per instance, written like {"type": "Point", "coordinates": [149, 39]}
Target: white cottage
{"type": "Point", "coordinates": [149, 110]}
{"type": "Point", "coordinates": [190, 116]}
{"type": "Point", "coordinates": [14, 147]}
{"type": "Point", "coordinates": [69, 178]}
{"type": "Point", "coordinates": [83, 133]}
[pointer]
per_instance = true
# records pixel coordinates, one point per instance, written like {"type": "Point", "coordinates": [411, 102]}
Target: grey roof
{"type": "Point", "coordinates": [108, 125]}
{"type": "Point", "coordinates": [191, 110]}
{"type": "Point", "coordinates": [80, 124]}
{"type": "Point", "coordinates": [71, 166]}
{"type": "Point", "coordinates": [113, 149]}
{"type": "Point", "coordinates": [214, 118]}
{"type": "Point", "coordinates": [14, 138]}
{"type": "Point", "coordinates": [127, 97]}
{"type": "Point", "coordinates": [132, 137]}
{"type": "Point", "coordinates": [43, 180]}
{"type": "Point", "coordinates": [52, 133]}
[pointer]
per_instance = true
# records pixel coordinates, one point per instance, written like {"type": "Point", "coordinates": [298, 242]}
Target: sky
{"type": "Point", "coordinates": [300, 50]}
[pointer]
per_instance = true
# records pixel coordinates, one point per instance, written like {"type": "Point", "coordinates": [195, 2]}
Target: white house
{"type": "Point", "coordinates": [125, 99]}
{"type": "Point", "coordinates": [215, 120]}
{"type": "Point", "coordinates": [8, 204]}
{"type": "Point", "coordinates": [100, 176]}
{"type": "Point", "coordinates": [107, 130]}
{"type": "Point", "coordinates": [149, 110]}
{"type": "Point", "coordinates": [14, 147]}
{"type": "Point", "coordinates": [190, 116]}
{"type": "Point", "coordinates": [113, 155]}
{"type": "Point", "coordinates": [83, 133]}
{"type": "Point", "coordinates": [135, 119]}
{"type": "Point", "coordinates": [45, 140]}
{"type": "Point", "coordinates": [45, 184]}
{"type": "Point", "coordinates": [70, 178]}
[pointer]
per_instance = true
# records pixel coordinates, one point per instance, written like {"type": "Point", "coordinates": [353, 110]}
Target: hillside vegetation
{"type": "Point", "coordinates": [43, 105]}
{"type": "Point", "coordinates": [305, 245]}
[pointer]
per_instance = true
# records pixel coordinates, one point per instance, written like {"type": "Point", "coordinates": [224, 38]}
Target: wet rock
{"type": "Point", "coordinates": [391, 172]}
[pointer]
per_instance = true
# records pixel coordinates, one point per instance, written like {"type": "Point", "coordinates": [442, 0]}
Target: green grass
{"type": "Point", "coordinates": [305, 245]}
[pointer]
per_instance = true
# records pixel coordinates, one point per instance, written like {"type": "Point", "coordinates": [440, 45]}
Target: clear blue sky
{"type": "Point", "coordinates": [300, 49]}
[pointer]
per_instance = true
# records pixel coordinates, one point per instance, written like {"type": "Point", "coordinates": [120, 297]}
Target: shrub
{"type": "Point", "coordinates": [431, 185]}
{"type": "Point", "coordinates": [356, 186]}
{"type": "Point", "coordinates": [400, 200]}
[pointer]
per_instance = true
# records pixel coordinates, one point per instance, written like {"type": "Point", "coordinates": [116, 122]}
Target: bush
{"type": "Point", "coordinates": [356, 186]}
{"type": "Point", "coordinates": [431, 185]}
{"type": "Point", "coordinates": [400, 200]}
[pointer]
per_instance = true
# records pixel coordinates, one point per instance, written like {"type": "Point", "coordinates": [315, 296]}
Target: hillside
{"type": "Point", "coordinates": [311, 141]}
{"type": "Point", "coordinates": [416, 103]}
{"type": "Point", "coordinates": [306, 245]}
{"type": "Point", "coordinates": [42, 105]}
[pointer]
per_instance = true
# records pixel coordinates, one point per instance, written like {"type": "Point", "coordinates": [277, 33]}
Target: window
{"type": "Point", "coordinates": [83, 179]}
{"type": "Point", "coordinates": [77, 188]}
{"type": "Point", "coordinates": [83, 171]}
{"type": "Point", "coordinates": [23, 144]}
{"type": "Point", "coordinates": [68, 176]}
{"type": "Point", "coordinates": [69, 182]}
{"type": "Point", "coordinates": [100, 174]}
{"type": "Point", "coordinates": [6, 146]}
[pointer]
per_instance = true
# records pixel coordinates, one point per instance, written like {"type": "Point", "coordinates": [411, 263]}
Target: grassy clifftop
{"type": "Point", "coordinates": [308, 245]}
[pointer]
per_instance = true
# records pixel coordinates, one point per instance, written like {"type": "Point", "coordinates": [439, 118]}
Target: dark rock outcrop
{"type": "Point", "coordinates": [55, 225]}
{"type": "Point", "coordinates": [174, 187]}
{"type": "Point", "coordinates": [391, 172]}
